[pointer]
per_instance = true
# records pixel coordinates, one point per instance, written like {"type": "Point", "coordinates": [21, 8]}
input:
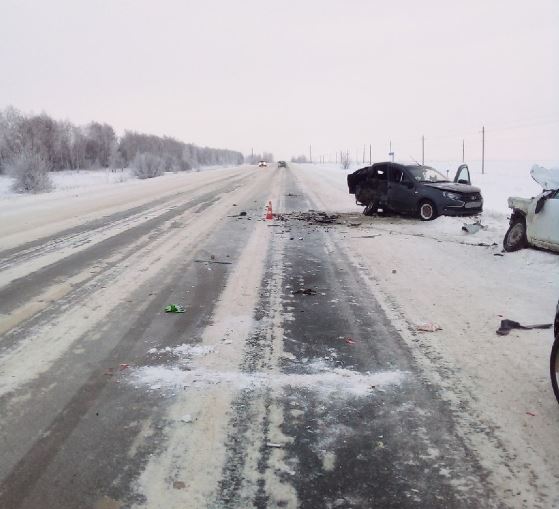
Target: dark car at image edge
{"type": "Point", "coordinates": [414, 189]}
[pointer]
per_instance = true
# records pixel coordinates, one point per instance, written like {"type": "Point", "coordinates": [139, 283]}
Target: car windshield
{"type": "Point", "coordinates": [426, 174]}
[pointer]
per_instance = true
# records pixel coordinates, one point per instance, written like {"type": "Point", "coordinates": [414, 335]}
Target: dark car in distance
{"type": "Point", "coordinates": [414, 189]}
{"type": "Point", "coordinates": [282, 164]}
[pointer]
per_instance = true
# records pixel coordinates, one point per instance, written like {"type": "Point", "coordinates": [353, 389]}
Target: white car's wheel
{"type": "Point", "coordinates": [515, 238]}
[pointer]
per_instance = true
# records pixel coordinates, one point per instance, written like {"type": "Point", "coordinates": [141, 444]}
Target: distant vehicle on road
{"type": "Point", "coordinates": [282, 164]}
{"type": "Point", "coordinates": [535, 221]}
{"type": "Point", "coordinates": [262, 164]}
{"type": "Point", "coordinates": [414, 189]}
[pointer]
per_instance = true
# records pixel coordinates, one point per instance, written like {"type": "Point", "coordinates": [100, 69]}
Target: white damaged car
{"type": "Point", "coordinates": [535, 221]}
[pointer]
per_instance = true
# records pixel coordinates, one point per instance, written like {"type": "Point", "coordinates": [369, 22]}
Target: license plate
{"type": "Point", "coordinates": [473, 204]}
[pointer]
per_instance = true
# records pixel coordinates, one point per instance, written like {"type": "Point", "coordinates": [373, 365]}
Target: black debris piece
{"type": "Point", "coordinates": [508, 325]}
{"type": "Point", "coordinates": [306, 291]}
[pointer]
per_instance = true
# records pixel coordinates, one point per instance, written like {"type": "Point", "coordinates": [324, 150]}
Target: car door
{"type": "Point", "coordinates": [463, 175]}
{"type": "Point", "coordinates": [401, 189]}
{"type": "Point", "coordinates": [543, 227]}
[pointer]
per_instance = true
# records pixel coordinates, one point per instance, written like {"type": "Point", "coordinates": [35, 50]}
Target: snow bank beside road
{"type": "Point", "coordinates": [87, 179]}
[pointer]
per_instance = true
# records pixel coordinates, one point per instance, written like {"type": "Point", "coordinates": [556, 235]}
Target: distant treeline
{"type": "Point", "coordinates": [61, 145]}
{"type": "Point", "coordinates": [255, 158]}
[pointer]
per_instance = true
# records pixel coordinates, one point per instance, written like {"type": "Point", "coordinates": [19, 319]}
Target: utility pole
{"type": "Point", "coordinates": [252, 156]}
{"type": "Point", "coordinates": [310, 153]}
{"type": "Point", "coordinates": [483, 150]}
{"type": "Point", "coordinates": [370, 155]}
{"type": "Point", "coordinates": [462, 149]}
{"type": "Point", "coordinates": [423, 150]}
{"type": "Point", "coordinates": [363, 154]}
{"type": "Point", "coordinates": [391, 154]}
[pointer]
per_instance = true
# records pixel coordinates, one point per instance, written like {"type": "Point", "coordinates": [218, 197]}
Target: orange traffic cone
{"type": "Point", "coordinates": [269, 214]}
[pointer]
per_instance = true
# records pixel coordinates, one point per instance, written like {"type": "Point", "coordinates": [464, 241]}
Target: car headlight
{"type": "Point", "coordinates": [452, 196]}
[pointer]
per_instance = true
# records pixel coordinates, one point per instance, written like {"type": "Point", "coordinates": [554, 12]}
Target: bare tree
{"type": "Point", "coordinates": [30, 171]}
{"type": "Point", "coordinates": [147, 166]}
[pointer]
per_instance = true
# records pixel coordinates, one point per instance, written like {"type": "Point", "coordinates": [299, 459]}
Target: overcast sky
{"type": "Point", "coordinates": [281, 75]}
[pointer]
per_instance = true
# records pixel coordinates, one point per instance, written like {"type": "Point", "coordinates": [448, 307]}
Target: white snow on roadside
{"type": "Point", "coordinates": [75, 180]}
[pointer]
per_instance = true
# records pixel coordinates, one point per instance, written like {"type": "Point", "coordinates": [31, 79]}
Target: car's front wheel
{"type": "Point", "coordinates": [427, 210]}
{"type": "Point", "coordinates": [515, 238]}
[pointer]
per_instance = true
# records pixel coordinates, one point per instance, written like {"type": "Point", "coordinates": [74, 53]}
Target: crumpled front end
{"type": "Point", "coordinates": [520, 204]}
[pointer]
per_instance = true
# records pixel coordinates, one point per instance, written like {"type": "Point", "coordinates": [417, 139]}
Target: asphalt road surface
{"type": "Point", "coordinates": [283, 384]}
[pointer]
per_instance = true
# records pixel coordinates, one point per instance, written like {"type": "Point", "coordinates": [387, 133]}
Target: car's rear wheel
{"type": "Point", "coordinates": [515, 238]}
{"type": "Point", "coordinates": [427, 210]}
{"type": "Point", "coordinates": [371, 208]}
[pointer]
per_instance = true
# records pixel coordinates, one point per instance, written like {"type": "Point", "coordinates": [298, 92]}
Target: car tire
{"type": "Point", "coordinates": [554, 367]}
{"type": "Point", "coordinates": [515, 238]}
{"type": "Point", "coordinates": [427, 210]}
{"type": "Point", "coordinates": [371, 209]}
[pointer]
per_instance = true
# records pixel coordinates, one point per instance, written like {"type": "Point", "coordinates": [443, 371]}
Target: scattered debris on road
{"type": "Point", "coordinates": [213, 261]}
{"type": "Point", "coordinates": [473, 227]}
{"type": "Point", "coordinates": [349, 341]}
{"type": "Point", "coordinates": [306, 291]}
{"type": "Point", "coordinates": [508, 325]}
{"type": "Point", "coordinates": [187, 418]}
{"type": "Point", "coordinates": [274, 445]}
{"type": "Point", "coordinates": [310, 217]}
{"type": "Point", "coordinates": [429, 327]}
{"type": "Point", "coordinates": [175, 308]}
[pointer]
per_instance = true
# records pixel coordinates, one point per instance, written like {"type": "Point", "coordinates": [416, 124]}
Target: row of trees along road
{"type": "Point", "coordinates": [61, 145]}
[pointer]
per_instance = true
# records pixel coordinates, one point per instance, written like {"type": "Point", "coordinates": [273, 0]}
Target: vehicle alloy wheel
{"type": "Point", "coordinates": [515, 238]}
{"type": "Point", "coordinates": [427, 211]}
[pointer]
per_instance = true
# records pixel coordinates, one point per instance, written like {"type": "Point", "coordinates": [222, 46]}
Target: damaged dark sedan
{"type": "Point", "coordinates": [414, 189]}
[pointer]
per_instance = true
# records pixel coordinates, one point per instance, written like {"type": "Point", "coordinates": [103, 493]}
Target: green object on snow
{"type": "Point", "coordinates": [174, 308]}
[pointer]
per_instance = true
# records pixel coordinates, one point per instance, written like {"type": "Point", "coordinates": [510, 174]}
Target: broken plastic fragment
{"type": "Point", "coordinates": [429, 327]}
{"type": "Point", "coordinates": [174, 308]}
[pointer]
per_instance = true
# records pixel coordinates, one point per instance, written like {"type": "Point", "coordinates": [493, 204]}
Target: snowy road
{"type": "Point", "coordinates": [258, 395]}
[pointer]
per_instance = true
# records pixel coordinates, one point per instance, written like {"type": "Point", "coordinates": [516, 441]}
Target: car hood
{"type": "Point", "coordinates": [453, 186]}
{"type": "Point", "coordinates": [547, 178]}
